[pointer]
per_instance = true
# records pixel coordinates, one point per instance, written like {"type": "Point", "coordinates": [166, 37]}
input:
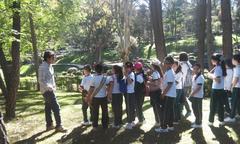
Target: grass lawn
{"type": "Point", "coordinates": [29, 126]}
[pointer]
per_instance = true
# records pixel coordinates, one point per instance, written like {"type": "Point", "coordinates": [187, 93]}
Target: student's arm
{"type": "Point", "coordinates": [109, 90]}
{"type": "Point", "coordinates": [89, 96]}
{"type": "Point", "coordinates": [196, 90]}
{"type": "Point", "coordinates": [43, 79]}
{"type": "Point", "coordinates": [235, 81]}
{"type": "Point", "coordinates": [165, 91]}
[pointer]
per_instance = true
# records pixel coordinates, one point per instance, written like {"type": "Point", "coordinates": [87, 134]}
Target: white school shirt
{"type": "Point", "coordinates": [139, 78]}
{"type": "Point", "coordinates": [228, 80]}
{"type": "Point", "coordinates": [179, 79]}
{"type": "Point", "coordinates": [185, 66]}
{"type": "Point", "coordinates": [195, 83]}
{"type": "Point", "coordinates": [169, 77]}
{"type": "Point", "coordinates": [236, 74]}
{"type": "Point", "coordinates": [130, 87]}
{"type": "Point", "coordinates": [115, 89]}
{"type": "Point", "coordinates": [218, 73]}
{"type": "Point", "coordinates": [96, 82]}
{"type": "Point", "coordinates": [156, 75]}
{"type": "Point", "coordinates": [86, 82]}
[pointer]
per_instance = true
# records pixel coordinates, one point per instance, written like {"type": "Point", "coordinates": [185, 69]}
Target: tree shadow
{"type": "Point", "coordinates": [221, 135]}
{"type": "Point", "coordinates": [34, 139]}
{"type": "Point", "coordinates": [197, 136]}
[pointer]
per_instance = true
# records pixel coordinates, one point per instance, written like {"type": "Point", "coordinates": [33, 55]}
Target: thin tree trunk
{"type": "Point", "coordinates": [201, 26]}
{"type": "Point", "coordinates": [3, 132]}
{"type": "Point", "coordinates": [126, 29]}
{"type": "Point", "coordinates": [156, 14]}
{"type": "Point", "coordinates": [210, 37]}
{"type": "Point", "coordinates": [227, 28]}
{"type": "Point", "coordinates": [34, 45]}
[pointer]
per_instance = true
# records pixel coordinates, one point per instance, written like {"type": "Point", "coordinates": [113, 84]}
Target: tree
{"type": "Point", "coordinates": [226, 20]}
{"type": "Point", "coordinates": [156, 14]}
{"type": "Point", "coordinates": [201, 26]}
{"type": "Point", "coordinates": [11, 68]}
{"type": "Point", "coordinates": [210, 37]}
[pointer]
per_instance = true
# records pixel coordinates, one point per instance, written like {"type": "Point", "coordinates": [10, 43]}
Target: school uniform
{"type": "Point", "coordinates": [100, 100]}
{"type": "Point", "coordinates": [235, 102]}
{"type": "Point", "coordinates": [196, 99]}
{"type": "Point", "coordinates": [179, 91]}
{"type": "Point", "coordinates": [130, 98]}
{"type": "Point", "coordinates": [156, 101]}
{"type": "Point", "coordinates": [86, 83]}
{"type": "Point", "coordinates": [139, 95]}
{"type": "Point", "coordinates": [217, 96]}
{"type": "Point", "coordinates": [227, 88]}
{"type": "Point", "coordinates": [117, 100]}
{"type": "Point", "coordinates": [169, 99]}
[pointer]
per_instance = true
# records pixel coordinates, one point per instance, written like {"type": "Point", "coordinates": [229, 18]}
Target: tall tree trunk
{"type": "Point", "coordinates": [227, 28]}
{"type": "Point", "coordinates": [34, 45]}
{"type": "Point", "coordinates": [126, 29]}
{"type": "Point", "coordinates": [210, 37]}
{"type": "Point", "coordinates": [156, 14]}
{"type": "Point", "coordinates": [201, 27]}
{"type": "Point", "coordinates": [151, 44]}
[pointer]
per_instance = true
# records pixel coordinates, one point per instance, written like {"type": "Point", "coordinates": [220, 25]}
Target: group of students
{"type": "Point", "coordinates": [169, 91]}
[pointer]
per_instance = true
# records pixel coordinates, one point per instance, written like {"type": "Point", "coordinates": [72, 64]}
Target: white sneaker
{"type": "Point", "coordinates": [157, 125]}
{"type": "Point", "coordinates": [86, 123]}
{"type": "Point", "coordinates": [196, 126]}
{"type": "Point", "coordinates": [170, 128]}
{"type": "Point", "coordinates": [230, 120]}
{"type": "Point", "coordinates": [210, 124]}
{"type": "Point", "coordinates": [128, 126]}
{"type": "Point", "coordinates": [160, 130]}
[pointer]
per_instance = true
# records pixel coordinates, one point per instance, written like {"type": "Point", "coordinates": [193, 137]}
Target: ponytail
{"type": "Point", "coordinates": [220, 61]}
{"type": "Point", "coordinates": [223, 66]}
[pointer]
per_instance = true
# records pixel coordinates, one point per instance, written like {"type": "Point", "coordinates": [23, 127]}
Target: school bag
{"type": "Point", "coordinates": [140, 87]}
{"type": "Point", "coordinates": [188, 78]}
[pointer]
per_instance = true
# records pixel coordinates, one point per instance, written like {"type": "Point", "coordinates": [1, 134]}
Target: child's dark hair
{"type": "Point", "coordinates": [183, 56]}
{"type": "Point", "coordinates": [99, 68]}
{"type": "Point", "coordinates": [169, 60]}
{"type": "Point", "coordinates": [129, 64]}
{"type": "Point", "coordinates": [118, 71]}
{"type": "Point", "coordinates": [47, 54]}
{"type": "Point", "coordinates": [219, 59]}
{"type": "Point", "coordinates": [237, 57]}
{"type": "Point", "coordinates": [158, 68]}
{"type": "Point", "coordinates": [87, 68]}
{"type": "Point", "coordinates": [179, 68]}
{"type": "Point", "coordinates": [228, 62]}
{"type": "Point", "coordinates": [199, 66]}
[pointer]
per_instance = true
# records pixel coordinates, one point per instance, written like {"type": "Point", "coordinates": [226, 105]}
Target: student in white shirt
{"type": "Point", "coordinates": [117, 97]}
{"type": "Point", "coordinates": [235, 102]}
{"type": "Point", "coordinates": [179, 90]}
{"type": "Point", "coordinates": [228, 85]}
{"type": "Point", "coordinates": [197, 94]}
{"type": "Point", "coordinates": [154, 83]}
{"type": "Point", "coordinates": [139, 89]}
{"type": "Point", "coordinates": [217, 74]}
{"type": "Point", "coordinates": [84, 88]}
{"type": "Point", "coordinates": [98, 97]}
{"type": "Point", "coordinates": [187, 77]}
{"type": "Point", "coordinates": [169, 94]}
{"type": "Point", "coordinates": [130, 94]}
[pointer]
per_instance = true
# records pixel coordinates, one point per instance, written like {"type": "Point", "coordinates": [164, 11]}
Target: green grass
{"type": "Point", "coordinates": [29, 125]}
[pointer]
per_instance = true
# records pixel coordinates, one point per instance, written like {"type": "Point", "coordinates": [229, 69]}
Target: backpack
{"type": "Point", "coordinates": [140, 87]}
{"type": "Point", "coordinates": [122, 85]}
{"type": "Point", "coordinates": [188, 78]}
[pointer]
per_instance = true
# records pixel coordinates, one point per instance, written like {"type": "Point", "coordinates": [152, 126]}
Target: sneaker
{"type": "Point", "coordinates": [229, 120]}
{"type": "Point", "coordinates": [157, 125]}
{"type": "Point", "coordinates": [129, 126]}
{"type": "Point", "coordinates": [50, 128]}
{"type": "Point", "coordinates": [86, 123]}
{"type": "Point", "coordinates": [160, 130]}
{"type": "Point", "coordinates": [170, 128]}
{"type": "Point", "coordinates": [210, 123]}
{"type": "Point", "coordinates": [196, 126]}
{"type": "Point", "coordinates": [188, 114]}
{"type": "Point", "coordinates": [221, 124]}
{"type": "Point", "coordinates": [61, 129]}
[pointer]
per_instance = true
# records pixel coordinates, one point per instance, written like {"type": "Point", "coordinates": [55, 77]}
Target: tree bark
{"type": "Point", "coordinates": [201, 27]}
{"type": "Point", "coordinates": [127, 7]}
{"type": "Point", "coordinates": [34, 45]}
{"type": "Point", "coordinates": [156, 14]}
{"type": "Point", "coordinates": [227, 28]}
{"type": "Point", "coordinates": [3, 132]}
{"type": "Point", "coordinates": [210, 37]}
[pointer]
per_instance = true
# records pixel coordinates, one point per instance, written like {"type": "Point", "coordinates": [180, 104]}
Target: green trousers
{"type": "Point", "coordinates": [235, 102]}
{"type": "Point", "coordinates": [217, 105]}
{"type": "Point", "coordinates": [197, 109]}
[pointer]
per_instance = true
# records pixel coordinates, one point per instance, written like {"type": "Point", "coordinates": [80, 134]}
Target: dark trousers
{"type": "Point", "coordinates": [197, 109]}
{"type": "Point", "coordinates": [235, 102]}
{"type": "Point", "coordinates": [158, 105]}
{"type": "Point", "coordinates": [51, 105]}
{"type": "Point", "coordinates": [216, 105]}
{"type": "Point", "coordinates": [139, 99]}
{"type": "Point", "coordinates": [178, 105]}
{"type": "Point", "coordinates": [130, 107]}
{"type": "Point", "coordinates": [186, 93]}
{"type": "Point", "coordinates": [168, 112]}
{"type": "Point", "coordinates": [85, 107]}
{"type": "Point", "coordinates": [226, 101]}
{"type": "Point", "coordinates": [117, 100]}
{"type": "Point", "coordinates": [96, 103]}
